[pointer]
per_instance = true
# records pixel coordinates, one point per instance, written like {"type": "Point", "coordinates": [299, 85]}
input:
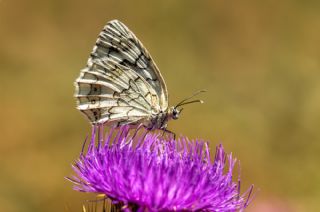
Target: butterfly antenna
{"type": "Point", "coordinates": [183, 102]}
{"type": "Point", "coordinates": [194, 101]}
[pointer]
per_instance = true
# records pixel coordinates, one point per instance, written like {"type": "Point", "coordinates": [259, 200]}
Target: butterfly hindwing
{"type": "Point", "coordinates": [109, 92]}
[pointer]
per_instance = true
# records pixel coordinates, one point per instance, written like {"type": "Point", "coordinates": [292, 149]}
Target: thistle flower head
{"type": "Point", "coordinates": [151, 173]}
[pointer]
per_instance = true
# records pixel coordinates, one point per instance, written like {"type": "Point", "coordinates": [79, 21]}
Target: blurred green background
{"type": "Point", "coordinates": [259, 60]}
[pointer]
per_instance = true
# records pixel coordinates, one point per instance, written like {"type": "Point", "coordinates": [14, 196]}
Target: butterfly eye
{"type": "Point", "coordinates": [175, 114]}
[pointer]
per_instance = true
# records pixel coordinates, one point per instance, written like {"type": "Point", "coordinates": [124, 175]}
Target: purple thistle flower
{"type": "Point", "coordinates": [152, 173]}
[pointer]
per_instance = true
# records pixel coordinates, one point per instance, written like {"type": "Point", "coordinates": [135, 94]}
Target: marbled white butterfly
{"type": "Point", "coordinates": [122, 85]}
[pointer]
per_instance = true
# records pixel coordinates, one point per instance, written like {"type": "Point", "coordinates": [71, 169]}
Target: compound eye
{"type": "Point", "coordinates": [174, 112]}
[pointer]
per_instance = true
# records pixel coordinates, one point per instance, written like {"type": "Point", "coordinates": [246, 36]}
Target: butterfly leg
{"type": "Point", "coordinates": [170, 132]}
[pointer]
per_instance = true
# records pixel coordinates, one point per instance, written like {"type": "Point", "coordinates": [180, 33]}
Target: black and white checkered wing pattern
{"type": "Point", "coordinates": [119, 44]}
{"type": "Point", "coordinates": [109, 92]}
{"type": "Point", "coordinates": [121, 84]}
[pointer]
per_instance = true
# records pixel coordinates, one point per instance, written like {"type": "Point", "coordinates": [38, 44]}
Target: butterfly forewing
{"type": "Point", "coordinates": [119, 44]}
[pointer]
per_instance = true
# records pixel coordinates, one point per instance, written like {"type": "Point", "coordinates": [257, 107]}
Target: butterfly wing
{"type": "Point", "coordinates": [119, 44]}
{"type": "Point", "coordinates": [107, 91]}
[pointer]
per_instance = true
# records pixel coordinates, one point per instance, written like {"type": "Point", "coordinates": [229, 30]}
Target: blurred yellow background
{"type": "Point", "coordinates": [258, 60]}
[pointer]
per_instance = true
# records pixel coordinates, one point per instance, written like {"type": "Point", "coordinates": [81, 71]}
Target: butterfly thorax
{"type": "Point", "coordinates": [159, 120]}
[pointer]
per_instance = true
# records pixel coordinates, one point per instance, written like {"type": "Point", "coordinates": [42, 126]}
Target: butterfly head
{"type": "Point", "coordinates": [174, 112]}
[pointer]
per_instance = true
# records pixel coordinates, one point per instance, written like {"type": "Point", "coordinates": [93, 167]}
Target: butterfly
{"type": "Point", "coordinates": [122, 85]}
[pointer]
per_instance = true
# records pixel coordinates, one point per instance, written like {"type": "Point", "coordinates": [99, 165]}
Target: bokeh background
{"type": "Point", "coordinates": [259, 61]}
